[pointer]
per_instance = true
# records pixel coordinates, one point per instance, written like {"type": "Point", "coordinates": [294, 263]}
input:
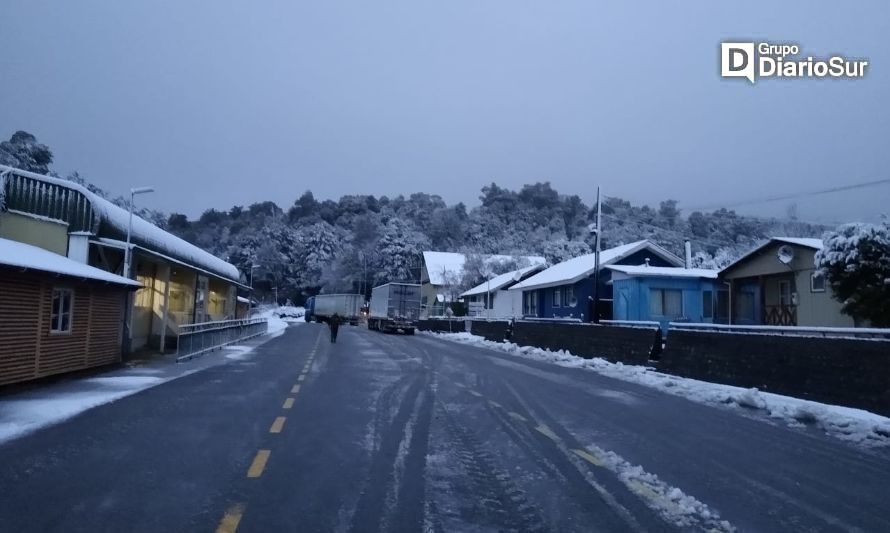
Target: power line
{"type": "Point", "coordinates": [794, 196]}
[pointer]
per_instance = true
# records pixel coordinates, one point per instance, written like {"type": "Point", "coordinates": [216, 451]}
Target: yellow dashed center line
{"type": "Point", "coordinates": [589, 457]}
{"type": "Point", "coordinates": [295, 389]}
{"type": "Point", "coordinates": [547, 432]}
{"type": "Point", "coordinates": [288, 403]}
{"type": "Point", "coordinates": [302, 377]}
{"type": "Point", "coordinates": [230, 521]}
{"type": "Point", "coordinates": [474, 393]}
{"type": "Point", "coordinates": [259, 463]}
{"type": "Point", "coordinates": [277, 425]}
{"type": "Point", "coordinates": [495, 404]}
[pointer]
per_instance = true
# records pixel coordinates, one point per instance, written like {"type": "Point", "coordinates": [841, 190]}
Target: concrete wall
{"type": "Point", "coordinates": [492, 330]}
{"type": "Point", "coordinates": [617, 344]}
{"type": "Point", "coordinates": [49, 235]}
{"type": "Point", "coordinates": [442, 326]}
{"type": "Point", "coordinates": [852, 372]}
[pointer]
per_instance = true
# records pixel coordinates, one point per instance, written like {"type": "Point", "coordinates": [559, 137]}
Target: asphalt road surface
{"type": "Point", "coordinates": [397, 433]}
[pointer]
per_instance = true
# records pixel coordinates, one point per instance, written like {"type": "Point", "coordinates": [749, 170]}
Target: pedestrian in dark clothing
{"type": "Point", "coordinates": [334, 324]}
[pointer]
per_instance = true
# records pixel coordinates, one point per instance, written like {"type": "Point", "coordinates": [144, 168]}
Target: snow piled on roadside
{"type": "Point", "coordinates": [845, 423]}
{"type": "Point", "coordinates": [675, 505]}
{"type": "Point", "coordinates": [279, 318]}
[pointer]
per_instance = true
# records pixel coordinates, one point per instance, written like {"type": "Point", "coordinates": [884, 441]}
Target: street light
{"type": "Point", "coordinates": [128, 255]}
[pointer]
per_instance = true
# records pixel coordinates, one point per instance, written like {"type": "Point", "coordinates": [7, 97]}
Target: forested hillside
{"type": "Point", "coordinates": [360, 240]}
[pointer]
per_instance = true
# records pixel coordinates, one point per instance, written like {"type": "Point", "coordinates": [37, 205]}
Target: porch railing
{"type": "Point", "coordinates": [196, 339]}
{"type": "Point", "coordinates": [780, 315]}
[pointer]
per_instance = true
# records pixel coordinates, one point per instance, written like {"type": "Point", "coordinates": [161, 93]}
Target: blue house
{"type": "Point", "coordinates": [566, 290]}
{"type": "Point", "coordinates": [666, 294]}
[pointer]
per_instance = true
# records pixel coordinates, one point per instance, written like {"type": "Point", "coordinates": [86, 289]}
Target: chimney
{"type": "Point", "coordinates": [688, 254]}
{"type": "Point", "coordinates": [647, 261]}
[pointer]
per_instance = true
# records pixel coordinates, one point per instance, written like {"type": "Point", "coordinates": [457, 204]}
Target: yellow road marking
{"type": "Point", "coordinates": [517, 416]}
{"type": "Point", "coordinates": [295, 389]}
{"type": "Point", "coordinates": [288, 403]}
{"type": "Point", "coordinates": [229, 522]}
{"type": "Point", "coordinates": [259, 463]}
{"type": "Point", "coordinates": [495, 404]}
{"type": "Point", "coordinates": [589, 457]}
{"type": "Point", "coordinates": [302, 377]}
{"type": "Point", "coordinates": [547, 432]}
{"type": "Point", "coordinates": [277, 425]}
{"type": "Point", "coordinates": [476, 394]}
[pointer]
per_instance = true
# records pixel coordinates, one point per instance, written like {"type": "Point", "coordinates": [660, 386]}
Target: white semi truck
{"type": "Point", "coordinates": [322, 307]}
{"type": "Point", "coordinates": [395, 307]}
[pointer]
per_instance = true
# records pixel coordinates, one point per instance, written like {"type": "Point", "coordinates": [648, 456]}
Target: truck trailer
{"type": "Point", "coordinates": [322, 307]}
{"type": "Point", "coordinates": [394, 307]}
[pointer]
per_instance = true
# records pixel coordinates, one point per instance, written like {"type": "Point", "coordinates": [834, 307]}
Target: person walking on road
{"type": "Point", "coordinates": [334, 324]}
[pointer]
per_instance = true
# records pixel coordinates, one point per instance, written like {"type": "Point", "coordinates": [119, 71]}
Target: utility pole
{"type": "Point", "coordinates": [596, 260]}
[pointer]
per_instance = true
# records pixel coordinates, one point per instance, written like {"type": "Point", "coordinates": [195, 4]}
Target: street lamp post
{"type": "Point", "coordinates": [597, 232]}
{"type": "Point", "coordinates": [128, 254]}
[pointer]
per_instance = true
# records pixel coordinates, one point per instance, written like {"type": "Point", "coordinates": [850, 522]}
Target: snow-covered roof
{"type": "Point", "coordinates": [243, 300]}
{"type": "Point", "coordinates": [815, 244]}
{"type": "Point", "coordinates": [498, 282]}
{"type": "Point", "coordinates": [144, 232]}
{"type": "Point", "coordinates": [20, 255]}
{"type": "Point", "coordinates": [438, 264]}
{"type": "Point", "coordinates": [578, 268]}
{"type": "Point", "coordinates": [672, 272]}
{"type": "Point", "coordinates": [806, 242]}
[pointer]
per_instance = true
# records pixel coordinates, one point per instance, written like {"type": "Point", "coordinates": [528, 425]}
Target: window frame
{"type": "Point", "coordinates": [813, 277]}
{"type": "Point", "coordinates": [557, 297]}
{"type": "Point", "coordinates": [570, 299]}
{"type": "Point", "coordinates": [662, 295]}
{"type": "Point", "coordinates": [56, 315]}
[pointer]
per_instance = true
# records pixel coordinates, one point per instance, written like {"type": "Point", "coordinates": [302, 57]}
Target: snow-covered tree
{"type": "Point", "coordinates": [561, 250]}
{"type": "Point", "coordinates": [399, 251]}
{"type": "Point", "coordinates": [856, 262]}
{"type": "Point", "coordinates": [22, 151]}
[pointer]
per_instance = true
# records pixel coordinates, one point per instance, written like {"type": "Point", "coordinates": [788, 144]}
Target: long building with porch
{"type": "Point", "coordinates": [179, 282]}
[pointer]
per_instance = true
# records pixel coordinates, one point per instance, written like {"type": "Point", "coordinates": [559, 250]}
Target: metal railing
{"type": "Point", "coordinates": [196, 339]}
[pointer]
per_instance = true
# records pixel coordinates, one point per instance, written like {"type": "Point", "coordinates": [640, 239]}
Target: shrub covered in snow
{"type": "Point", "coordinates": [856, 262]}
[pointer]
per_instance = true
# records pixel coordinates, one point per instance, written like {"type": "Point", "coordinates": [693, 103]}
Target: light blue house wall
{"type": "Point", "coordinates": [632, 298]}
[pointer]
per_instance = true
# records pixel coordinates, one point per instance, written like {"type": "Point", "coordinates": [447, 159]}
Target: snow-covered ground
{"type": "Point", "coordinates": [855, 425]}
{"type": "Point", "coordinates": [43, 406]}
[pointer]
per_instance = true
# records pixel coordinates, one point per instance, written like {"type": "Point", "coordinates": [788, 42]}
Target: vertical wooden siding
{"type": "Point", "coordinates": [27, 348]}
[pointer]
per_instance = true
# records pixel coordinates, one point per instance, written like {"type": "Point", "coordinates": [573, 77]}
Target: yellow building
{"type": "Point", "coordinates": [181, 283]}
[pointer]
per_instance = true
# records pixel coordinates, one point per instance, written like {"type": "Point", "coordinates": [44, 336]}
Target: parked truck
{"type": "Point", "coordinates": [322, 307]}
{"type": "Point", "coordinates": [394, 307]}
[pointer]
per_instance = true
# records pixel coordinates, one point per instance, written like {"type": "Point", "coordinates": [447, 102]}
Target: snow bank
{"type": "Point", "coordinates": [846, 423]}
{"type": "Point", "coordinates": [280, 317]}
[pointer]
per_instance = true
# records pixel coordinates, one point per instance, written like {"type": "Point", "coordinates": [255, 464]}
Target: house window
{"type": "Point", "coordinates": [63, 303]}
{"type": "Point", "coordinates": [531, 303]}
{"type": "Point", "coordinates": [666, 302]}
{"type": "Point", "coordinates": [817, 282]}
{"type": "Point", "coordinates": [784, 293]}
{"type": "Point", "coordinates": [557, 297]}
{"type": "Point", "coordinates": [707, 304]}
{"type": "Point", "coordinates": [570, 298]}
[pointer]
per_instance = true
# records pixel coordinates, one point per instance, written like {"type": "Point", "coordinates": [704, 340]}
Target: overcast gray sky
{"type": "Point", "coordinates": [222, 103]}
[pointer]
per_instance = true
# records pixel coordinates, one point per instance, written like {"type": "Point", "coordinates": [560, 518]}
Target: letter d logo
{"type": "Point", "coordinates": [737, 60]}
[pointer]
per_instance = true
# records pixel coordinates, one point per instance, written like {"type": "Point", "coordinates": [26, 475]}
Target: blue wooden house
{"type": "Point", "coordinates": [566, 290]}
{"type": "Point", "coordinates": [666, 294]}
